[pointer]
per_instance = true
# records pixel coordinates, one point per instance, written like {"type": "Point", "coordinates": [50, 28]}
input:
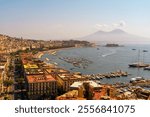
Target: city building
{"type": "Point", "coordinates": [41, 86]}
{"type": "Point", "coordinates": [86, 88]}
{"type": "Point", "coordinates": [71, 95]}
{"type": "Point", "coordinates": [65, 80]}
{"type": "Point", "coordinates": [3, 61]}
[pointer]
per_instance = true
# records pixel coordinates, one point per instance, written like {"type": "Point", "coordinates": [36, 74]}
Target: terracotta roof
{"type": "Point", "coordinates": [40, 78]}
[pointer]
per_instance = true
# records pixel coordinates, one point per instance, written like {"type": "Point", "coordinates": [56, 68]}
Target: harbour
{"type": "Point", "coordinates": [92, 62]}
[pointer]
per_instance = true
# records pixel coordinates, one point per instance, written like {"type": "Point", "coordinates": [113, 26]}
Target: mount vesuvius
{"type": "Point", "coordinates": [115, 36]}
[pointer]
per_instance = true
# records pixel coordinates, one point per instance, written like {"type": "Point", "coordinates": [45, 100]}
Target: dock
{"type": "Point", "coordinates": [107, 75]}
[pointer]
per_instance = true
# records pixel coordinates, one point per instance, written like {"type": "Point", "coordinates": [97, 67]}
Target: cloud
{"type": "Point", "coordinates": [102, 26]}
{"type": "Point", "coordinates": [120, 24]}
{"type": "Point", "coordinates": [114, 24]}
{"type": "Point", "coordinates": [99, 25]}
{"type": "Point", "coordinates": [105, 25]}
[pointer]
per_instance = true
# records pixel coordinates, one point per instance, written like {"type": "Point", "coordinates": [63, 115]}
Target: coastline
{"type": "Point", "coordinates": [51, 51]}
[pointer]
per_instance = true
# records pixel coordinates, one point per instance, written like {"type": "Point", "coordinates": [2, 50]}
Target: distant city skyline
{"type": "Point", "coordinates": [66, 19]}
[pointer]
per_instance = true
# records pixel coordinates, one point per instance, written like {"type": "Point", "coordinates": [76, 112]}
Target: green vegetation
{"type": "Point", "coordinates": [20, 80]}
{"type": "Point", "coordinates": [8, 83]}
{"type": "Point", "coordinates": [0, 81]}
{"type": "Point", "coordinates": [10, 67]}
{"type": "Point", "coordinates": [6, 98]}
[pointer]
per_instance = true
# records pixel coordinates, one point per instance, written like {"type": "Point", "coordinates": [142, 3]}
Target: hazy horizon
{"type": "Point", "coordinates": [62, 19]}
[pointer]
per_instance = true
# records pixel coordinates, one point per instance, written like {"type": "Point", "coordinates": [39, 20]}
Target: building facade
{"type": "Point", "coordinates": [41, 87]}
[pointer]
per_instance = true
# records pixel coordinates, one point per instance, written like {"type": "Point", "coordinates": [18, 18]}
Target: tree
{"type": "Point", "coordinates": [10, 67]}
{"type": "Point", "coordinates": [0, 81]}
{"type": "Point", "coordinates": [34, 52]}
{"type": "Point", "coordinates": [20, 80]}
{"type": "Point", "coordinates": [8, 83]}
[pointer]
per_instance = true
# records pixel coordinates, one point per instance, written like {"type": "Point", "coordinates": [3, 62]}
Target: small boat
{"type": "Point", "coordinates": [53, 53]}
{"type": "Point", "coordinates": [47, 59]}
{"type": "Point", "coordinates": [133, 49]}
{"type": "Point", "coordinates": [147, 68]}
{"type": "Point", "coordinates": [136, 79]}
{"type": "Point", "coordinates": [71, 68]}
{"type": "Point", "coordinates": [145, 50]}
{"type": "Point", "coordinates": [133, 65]}
{"type": "Point", "coordinates": [55, 63]}
{"type": "Point", "coordinates": [97, 48]}
{"type": "Point", "coordinates": [99, 82]}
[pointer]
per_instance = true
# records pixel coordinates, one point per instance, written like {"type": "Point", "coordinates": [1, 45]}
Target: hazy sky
{"type": "Point", "coordinates": [54, 19]}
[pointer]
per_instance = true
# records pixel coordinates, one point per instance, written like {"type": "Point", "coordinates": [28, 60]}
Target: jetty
{"type": "Point", "coordinates": [79, 62]}
{"type": "Point", "coordinates": [113, 45]}
{"type": "Point", "coordinates": [107, 75]}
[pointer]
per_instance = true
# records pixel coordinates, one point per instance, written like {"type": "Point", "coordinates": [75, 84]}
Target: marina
{"type": "Point", "coordinates": [91, 62]}
{"type": "Point", "coordinates": [77, 61]}
{"type": "Point", "coordinates": [75, 50]}
{"type": "Point", "coordinates": [99, 76]}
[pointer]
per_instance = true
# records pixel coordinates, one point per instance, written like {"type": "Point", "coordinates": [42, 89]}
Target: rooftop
{"type": "Point", "coordinates": [71, 95]}
{"type": "Point", "coordinates": [78, 84]}
{"type": "Point", "coordinates": [60, 70]}
{"type": "Point", "coordinates": [2, 67]}
{"type": "Point", "coordinates": [51, 70]}
{"type": "Point", "coordinates": [30, 66]}
{"type": "Point", "coordinates": [33, 71]}
{"type": "Point", "coordinates": [40, 78]}
{"type": "Point", "coordinates": [66, 76]}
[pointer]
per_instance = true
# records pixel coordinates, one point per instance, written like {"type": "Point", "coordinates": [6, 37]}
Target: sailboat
{"type": "Point", "coordinates": [148, 67]}
{"type": "Point", "coordinates": [139, 64]}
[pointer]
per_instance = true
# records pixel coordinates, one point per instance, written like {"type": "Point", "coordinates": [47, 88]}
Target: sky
{"type": "Point", "coordinates": [68, 19]}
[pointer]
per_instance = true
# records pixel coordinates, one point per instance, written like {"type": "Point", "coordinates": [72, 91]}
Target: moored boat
{"type": "Point", "coordinates": [147, 68]}
{"type": "Point", "coordinates": [138, 64]}
{"type": "Point", "coordinates": [136, 79]}
{"type": "Point", "coordinates": [145, 50]}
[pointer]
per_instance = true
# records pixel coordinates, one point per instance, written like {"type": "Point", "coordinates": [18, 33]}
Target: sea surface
{"type": "Point", "coordinates": [105, 60]}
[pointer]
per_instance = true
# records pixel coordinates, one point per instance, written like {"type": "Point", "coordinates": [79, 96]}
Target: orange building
{"type": "Point", "coordinates": [65, 80]}
{"type": "Point", "coordinates": [71, 95]}
{"type": "Point", "coordinates": [41, 86]}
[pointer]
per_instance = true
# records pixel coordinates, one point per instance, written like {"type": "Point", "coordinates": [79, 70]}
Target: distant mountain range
{"type": "Point", "coordinates": [115, 36]}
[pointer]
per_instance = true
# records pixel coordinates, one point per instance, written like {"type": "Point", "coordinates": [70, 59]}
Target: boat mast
{"type": "Point", "coordinates": [138, 56]}
{"type": "Point", "coordinates": [138, 71]}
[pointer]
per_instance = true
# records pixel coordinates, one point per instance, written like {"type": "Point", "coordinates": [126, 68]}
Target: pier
{"type": "Point", "coordinates": [107, 75]}
{"type": "Point", "coordinates": [79, 62]}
